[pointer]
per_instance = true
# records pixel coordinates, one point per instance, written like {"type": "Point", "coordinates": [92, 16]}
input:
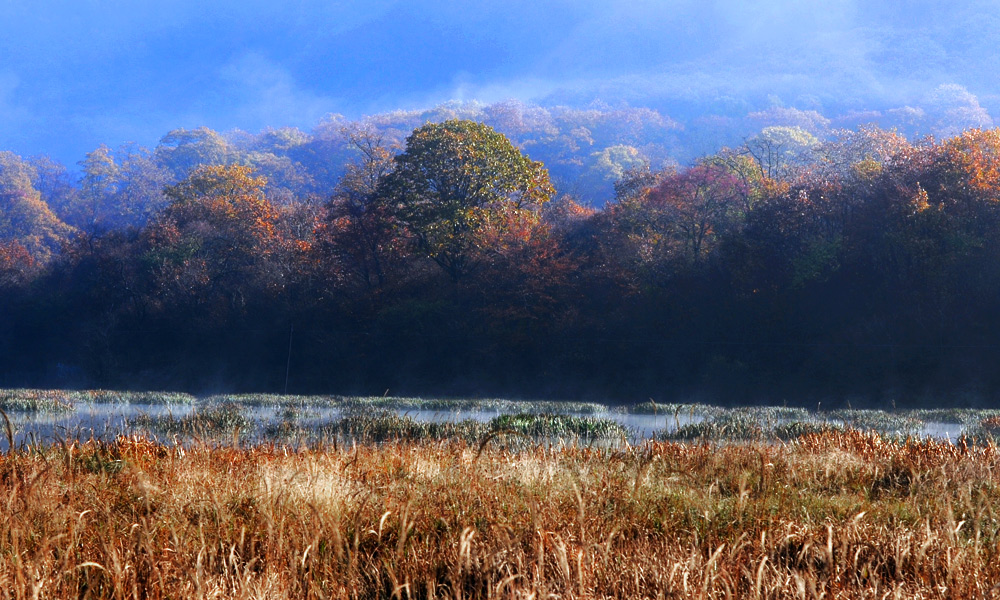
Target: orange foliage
{"type": "Point", "coordinates": [975, 154]}
{"type": "Point", "coordinates": [219, 236]}
{"type": "Point", "coordinates": [564, 213]}
{"type": "Point", "coordinates": [230, 200]}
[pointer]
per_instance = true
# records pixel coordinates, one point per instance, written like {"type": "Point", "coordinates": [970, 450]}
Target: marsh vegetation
{"type": "Point", "coordinates": [363, 497]}
{"type": "Point", "coordinates": [47, 416]}
{"type": "Point", "coordinates": [841, 514]}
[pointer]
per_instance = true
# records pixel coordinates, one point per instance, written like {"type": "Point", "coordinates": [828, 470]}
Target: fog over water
{"type": "Point", "coordinates": [105, 421]}
{"type": "Point", "coordinates": [75, 75]}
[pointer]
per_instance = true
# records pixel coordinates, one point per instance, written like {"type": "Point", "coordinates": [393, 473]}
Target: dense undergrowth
{"type": "Point", "coordinates": [832, 514]}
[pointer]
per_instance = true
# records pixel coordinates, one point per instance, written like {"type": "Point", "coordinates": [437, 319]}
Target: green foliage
{"type": "Point", "coordinates": [609, 166]}
{"type": "Point", "coordinates": [796, 429]}
{"type": "Point", "coordinates": [457, 179]}
{"type": "Point", "coordinates": [877, 420]}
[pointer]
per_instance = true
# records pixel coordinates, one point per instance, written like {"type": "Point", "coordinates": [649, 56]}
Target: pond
{"type": "Point", "coordinates": [105, 421]}
{"type": "Point", "coordinates": [48, 417]}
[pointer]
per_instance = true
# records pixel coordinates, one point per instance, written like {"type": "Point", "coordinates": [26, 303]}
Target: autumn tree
{"type": "Point", "coordinates": [218, 240]}
{"type": "Point", "coordinates": [947, 200]}
{"type": "Point", "coordinates": [609, 166]}
{"type": "Point", "coordinates": [97, 189]}
{"type": "Point", "coordinates": [635, 183]}
{"type": "Point", "coordinates": [139, 186]}
{"type": "Point", "coordinates": [973, 157]}
{"type": "Point", "coordinates": [754, 185]}
{"type": "Point", "coordinates": [58, 188]}
{"type": "Point", "coordinates": [359, 229]}
{"type": "Point", "coordinates": [695, 207]}
{"type": "Point", "coordinates": [16, 265]}
{"type": "Point", "coordinates": [24, 216]}
{"type": "Point", "coordinates": [863, 151]}
{"type": "Point", "coordinates": [288, 182]}
{"type": "Point", "coordinates": [566, 216]}
{"type": "Point", "coordinates": [778, 152]}
{"type": "Point", "coordinates": [457, 180]}
{"type": "Point", "coordinates": [118, 189]}
{"type": "Point", "coordinates": [528, 273]}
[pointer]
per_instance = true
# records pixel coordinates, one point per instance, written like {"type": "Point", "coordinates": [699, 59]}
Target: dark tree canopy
{"type": "Point", "coordinates": [792, 266]}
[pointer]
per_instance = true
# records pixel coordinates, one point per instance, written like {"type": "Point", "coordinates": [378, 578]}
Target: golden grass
{"type": "Point", "coordinates": [831, 515]}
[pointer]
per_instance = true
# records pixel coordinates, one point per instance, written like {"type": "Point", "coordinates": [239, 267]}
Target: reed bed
{"type": "Point", "coordinates": [356, 403]}
{"type": "Point", "coordinates": [835, 514]}
{"type": "Point", "coordinates": [134, 398]}
{"type": "Point", "coordinates": [55, 401]}
{"type": "Point", "coordinates": [498, 405]}
{"type": "Point", "coordinates": [63, 401]}
{"type": "Point", "coordinates": [222, 421]}
{"type": "Point", "coordinates": [683, 421]}
{"type": "Point", "coordinates": [211, 420]}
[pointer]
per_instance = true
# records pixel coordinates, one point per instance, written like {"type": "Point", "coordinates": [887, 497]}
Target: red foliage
{"type": "Point", "coordinates": [16, 264]}
{"type": "Point", "coordinates": [699, 204]}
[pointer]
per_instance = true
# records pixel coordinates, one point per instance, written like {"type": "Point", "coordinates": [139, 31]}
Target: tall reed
{"type": "Point", "coordinates": [829, 515]}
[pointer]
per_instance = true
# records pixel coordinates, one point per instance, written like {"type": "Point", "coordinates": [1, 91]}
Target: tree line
{"type": "Point", "coordinates": [787, 268]}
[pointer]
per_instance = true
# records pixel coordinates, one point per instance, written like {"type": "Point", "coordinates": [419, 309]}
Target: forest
{"type": "Point", "coordinates": [513, 249]}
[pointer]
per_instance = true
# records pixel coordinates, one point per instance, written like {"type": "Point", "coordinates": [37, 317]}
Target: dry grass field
{"type": "Point", "coordinates": [828, 515]}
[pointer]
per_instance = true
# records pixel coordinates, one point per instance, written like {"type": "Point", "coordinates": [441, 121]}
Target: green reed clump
{"type": "Point", "coordinates": [384, 426]}
{"type": "Point", "coordinates": [553, 425]}
{"type": "Point", "coordinates": [941, 415]}
{"type": "Point", "coordinates": [296, 413]}
{"type": "Point", "coordinates": [651, 407]}
{"type": "Point", "coordinates": [728, 427]}
{"type": "Point", "coordinates": [275, 400]}
{"type": "Point", "coordinates": [796, 429]}
{"type": "Point", "coordinates": [773, 414]}
{"type": "Point", "coordinates": [134, 398]}
{"type": "Point", "coordinates": [211, 420]}
{"type": "Point", "coordinates": [31, 400]}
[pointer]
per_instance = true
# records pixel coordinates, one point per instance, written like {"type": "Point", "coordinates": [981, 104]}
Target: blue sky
{"type": "Point", "coordinates": [74, 74]}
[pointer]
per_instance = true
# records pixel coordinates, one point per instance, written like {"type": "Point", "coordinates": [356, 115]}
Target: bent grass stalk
{"type": "Point", "coordinates": [832, 514]}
